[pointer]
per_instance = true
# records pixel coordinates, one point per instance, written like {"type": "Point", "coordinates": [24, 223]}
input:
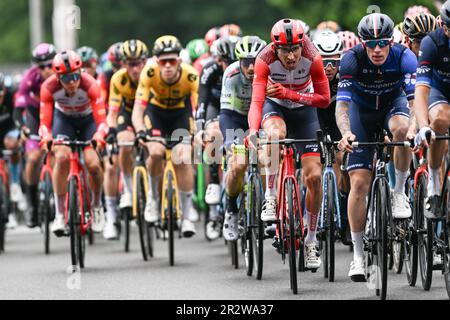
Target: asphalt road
{"type": "Point", "coordinates": [202, 271]}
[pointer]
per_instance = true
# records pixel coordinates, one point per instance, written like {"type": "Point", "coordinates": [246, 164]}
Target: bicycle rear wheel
{"type": "Point", "coordinates": [425, 236]}
{"type": "Point", "coordinates": [141, 200]}
{"type": "Point", "coordinates": [4, 205]}
{"type": "Point", "coordinates": [291, 233]}
{"type": "Point", "coordinates": [257, 224]}
{"type": "Point", "coordinates": [446, 202]}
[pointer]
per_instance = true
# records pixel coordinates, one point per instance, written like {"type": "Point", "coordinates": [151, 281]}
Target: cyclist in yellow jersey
{"type": "Point", "coordinates": [165, 98]}
{"type": "Point", "coordinates": [121, 100]}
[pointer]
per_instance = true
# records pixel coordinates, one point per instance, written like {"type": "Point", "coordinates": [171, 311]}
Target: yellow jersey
{"type": "Point", "coordinates": [122, 91]}
{"type": "Point", "coordinates": [168, 96]}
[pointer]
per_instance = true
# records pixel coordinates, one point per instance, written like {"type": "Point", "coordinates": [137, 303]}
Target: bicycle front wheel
{"type": "Point", "coordinates": [257, 224]}
{"type": "Point", "coordinates": [74, 223]}
{"type": "Point", "coordinates": [291, 233]}
{"type": "Point", "coordinates": [382, 221]}
{"type": "Point", "coordinates": [170, 216]}
{"type": "Point", "coordinates": [4, 204]}
{"type": "Point", "coordinates": [140, 202]}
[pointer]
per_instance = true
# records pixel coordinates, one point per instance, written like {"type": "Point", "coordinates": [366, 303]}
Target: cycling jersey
{"type": "Point", "coordinates": [373, 86]}
{"type": "Point", "coordinates": [327, 117]}
{"type": "Point", "coordinates": [236, 90]}
{"type": "Point", "coordinates": [201, 62]}
{"type": "Point", "coordinates": [210, 90]}
{"type": "Point", "coordinates": [29, 90]}
{"type": "Point", "coordinates": [434, 64]}
{"type": "Point", "coordinates": [308, 79]}
{"type": "Point", "coordinates": [85, 102]}
{"type": "Point", "coordinates": [122, 91]}
{"type": "Point", "coordinates": [167, 96]}
{"type": "Point", "coordinates": [104, 81]}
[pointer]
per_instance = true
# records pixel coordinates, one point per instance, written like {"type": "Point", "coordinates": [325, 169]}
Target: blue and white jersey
{"type": "Point", "coordinates": [434, 62]}
{"type": "Point", "coordinates": [375, 87]}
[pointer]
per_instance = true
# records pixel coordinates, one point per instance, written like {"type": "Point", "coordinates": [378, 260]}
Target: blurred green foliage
{"type": "Point", "coordinates": [104, 22]}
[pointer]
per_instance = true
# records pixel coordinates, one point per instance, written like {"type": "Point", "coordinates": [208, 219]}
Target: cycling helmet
{"type": "Point", "coordinates": [225, 47]}
{"type": "Point", "coordinates": [445, 13]}
{"type": "Point", "coordinates": [349, 38]}
{"type": "Point", "coordinates": [375, 26]}
{"type": "Point", "coordinates": [212, 35]}
{"type": "Point", "coordinates": [43, 52]}
{"type": "Point", "coordinates": [328, 43]}
{"type": "Point", "coordinates": [306, 28]}
{"type": "Point", "coordinates": [134, 50]}
{"type": "Point", "coordinates": [419, 25]}
{"type": "Point", "coordinates": [67, 62]}
{"type": "Point", "coordinates": [412, 11]}
{"type": "Point", "coordinates": [196, 48]}
{"type": "Point", "coordinates": [87, 54]}
{"type": "Point", "coordinates": [166, 44]}
{"type": "Point", "coordinates": [249, 47]}
{"type": "Point", "coordinates": [330, 25]}
{"type": "Point", "coordinates": [115, 52]}
{"type": "Point", "coordinates": [230, 30]}
{"type": "Point", "coordinates": [287, 32]}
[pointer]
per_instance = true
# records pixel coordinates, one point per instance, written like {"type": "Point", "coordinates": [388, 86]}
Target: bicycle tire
{"type": "Point", "coordinates": [330, 229]}
{"type": "Point", "coordinates": [289, 192]}
{"type": "Point", "coordinates": [258, 226]}
{"type": "Point", "coordinates": [170, 217]}
{"type": "Point", "coordinates": [425, 238]}
{"type": "Point", "coordinates": [245, 219]}
{"type": "Point", "coordinates": [398, 254]}
{"type": "Point", "coordinates": [446, 203]}
{"type": "Point", "coordinates": [141, 197]}
{"type": "Point", "coordinates": [234, 253]}
{"type": "Point", "coordinates": [126, 214]}
{"type": "Point", "coordinates": [74, 222]}
{"type": "Point", "coordinates": [3, 214]}
{"type": "Point", "coordinates": [382, 212]}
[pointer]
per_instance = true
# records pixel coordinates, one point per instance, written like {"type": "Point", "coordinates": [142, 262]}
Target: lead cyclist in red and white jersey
{"type": "Point", "coordinates": [290, 83]}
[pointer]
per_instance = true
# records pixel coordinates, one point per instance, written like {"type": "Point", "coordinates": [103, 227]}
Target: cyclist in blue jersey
{"type": "Point", "coordinates": [433, 99]}
{"type": "Point", "coordinates": [376, 88]}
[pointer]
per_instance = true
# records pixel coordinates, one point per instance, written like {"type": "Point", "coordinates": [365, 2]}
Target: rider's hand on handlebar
{"type": "Point", "coordinates": [111, 138]}
{"type": "Point", "coordinates": [346, 142]}
{"type": "Point", "coordinates": [422, 137]}
{"type": "Point", "coordinates": [250, 140]}
{"type": "Point", "coordinates": [142, 136]}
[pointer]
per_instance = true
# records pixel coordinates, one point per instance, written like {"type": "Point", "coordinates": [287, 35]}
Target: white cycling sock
{"type": "Point", "coordinates": [60, 205]}
{"type": "Point", "coordinates": [358, 245]}
{"type": "Point", "coordinates": [312, 227]}
{"type": "Point", "coordinates": [186, 203]}
{"type": "Point", "coordinates": [271, 185]}
{"type": "Point", "coordinates": [400, 181]}
{"type": "Point", "coordinates": [434, 184]}
{"type": "Point", "coordinates": [127, 183]}
{"type": "Point", "coordinates": [111, 208]}
{"type": "Point", "coordinates": [153, 191]}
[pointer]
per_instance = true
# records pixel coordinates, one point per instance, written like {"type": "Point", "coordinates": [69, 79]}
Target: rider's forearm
{"type": "Point", "coordinates": [342, 117]}
{"type": "Point", "coordinates": [421, 106]}
{"type": "Point", "coordinates": [138, 116]}
{"type": "Point", "coordinates": [111, 119]}
{"type": "Point", "coordinates": [412, 115]}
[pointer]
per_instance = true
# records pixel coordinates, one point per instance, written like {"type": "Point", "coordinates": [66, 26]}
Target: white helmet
{"type": "Point", "coordinates": [328, 43]}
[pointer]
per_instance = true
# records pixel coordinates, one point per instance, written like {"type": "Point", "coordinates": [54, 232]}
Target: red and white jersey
{"type": "Point", "coordinates": [86, 100]}
{"type": "Point", "coordinates": [308, 79]}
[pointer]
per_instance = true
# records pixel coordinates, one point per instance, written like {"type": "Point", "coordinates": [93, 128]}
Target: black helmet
{"type": "Point", "coordinates": [226, 46]}
{"type": "Point", "coordinates": [419, 25]}
{"type": "Point", "coordinates": [375, 26]}
{"type": "Point", "coordinates": [445, 13]}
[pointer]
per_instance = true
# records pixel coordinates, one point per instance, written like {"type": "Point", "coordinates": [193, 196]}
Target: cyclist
{"type": "Point", "coordinates": [349, 38]}
{"type": "Point", "coordinates": [329, 25]}
{"type": "Point", "coordinates": [89, 57]}
{"type": "Point", "coordinates": [289, 84]}
{"type": "Point", "coordinates": [416, 27]}
{"type": "Point", "coordinates": [9, 139]}
{"type": "Point", "coordinates": [72, 108]}
{"type": "Point", "coordinates": [208, 111]}
{"type": "Point", "coordinates": [172, 89]}
{"type": "Point", "coordinates": [234, 105]}
{"type": "Point", "coordinates": [196, 49]}
{"type": "Point", "coordinates": [28, 98]}
{"type": "Point", "coordinates": [330, 47]}
{"type": "Point", "coordinates": [433, 103]}
{"type": "Point", "coordinates": [413, 10]}
{"type": "Point", "coordinates": [230, 30]}
{"type": "Point", "coordinates": [114, 65]}
{"type": "Point", "coordinates": [376, 85]}
{"type": "Point", "coordinates": [121, 101]}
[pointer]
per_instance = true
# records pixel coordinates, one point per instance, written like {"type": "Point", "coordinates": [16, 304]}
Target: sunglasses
{"type": "Point", "coordinates": [288, 49]}
{"type": "Point", "coordinates": [334, 63]}
{"type": "Point", "coordinates": [45, 66]}
{"type": "Point", "coordinates": [247, 62]}
{"type": "Point", "coordinates": [68, 77]}
{"type": "Point", "coordinates": [164, 62]}
{"type": "Point", "coordinates": [133, 64]}
{"type": "Point", "coordinates": [380, 42]}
